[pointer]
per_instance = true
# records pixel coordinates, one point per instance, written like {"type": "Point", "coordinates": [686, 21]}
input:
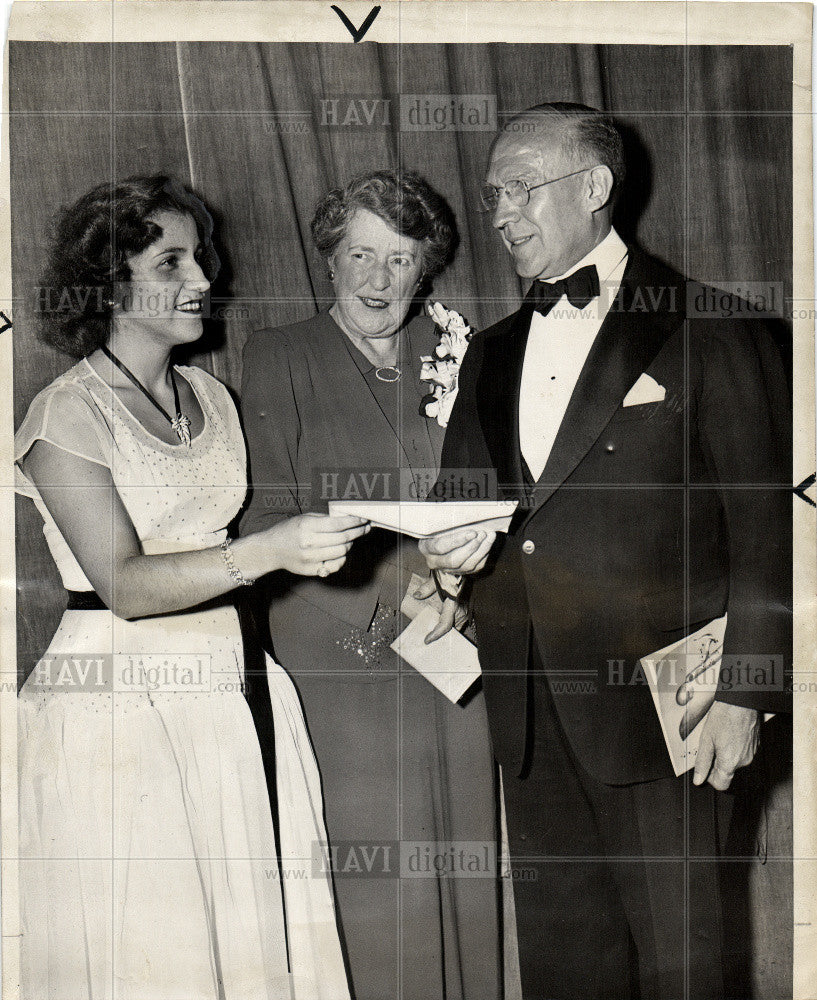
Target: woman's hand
{"type": "Point", "coordinates": [98, 529]}
{"type": "Point", "coordinates": [313, 544]}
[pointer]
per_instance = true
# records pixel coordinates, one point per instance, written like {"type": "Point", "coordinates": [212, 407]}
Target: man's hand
{"type": "Point", "coordinates": [462, 550]}
{"type": "Point", "coordinates": [457, 552]}
{"type": "Point", "coordinates": [453, 614]}
{"type": "Point", "coordinates": [426, 589]}
{"type": "Point", "coordinates": [728, 741]}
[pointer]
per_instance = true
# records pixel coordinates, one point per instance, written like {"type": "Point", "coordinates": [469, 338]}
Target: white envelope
{"type": "Point", "coordinates": [451, 663]}
{"type": "Point", "coordinates": [645, 390]}
{"type": "Point", "coordinates": [420, 518]}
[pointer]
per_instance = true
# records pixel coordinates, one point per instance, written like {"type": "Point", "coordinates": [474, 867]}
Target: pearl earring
{"type": "Point", "coordinates": [331, 274]}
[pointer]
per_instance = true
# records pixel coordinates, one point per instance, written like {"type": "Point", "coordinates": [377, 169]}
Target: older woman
{"type": "Point", "coordinates": [147, 843]}
{"type": "Point", "coordinates": [331, 408]}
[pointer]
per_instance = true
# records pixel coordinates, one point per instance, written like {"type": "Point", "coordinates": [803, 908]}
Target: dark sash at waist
{"type": "Point", "coordinates": [85, 600]}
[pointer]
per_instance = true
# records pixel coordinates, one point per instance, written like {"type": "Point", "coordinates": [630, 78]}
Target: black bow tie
{"type": "Point", "coordinates": [580, 288]}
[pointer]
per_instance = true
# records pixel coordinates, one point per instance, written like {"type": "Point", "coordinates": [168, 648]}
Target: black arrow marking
{"type": "Point", "coordinates": [357, 33]}
{"type": "Point", "coordinates": [6, 325]}
{"type": "Point", "coordinates": [806, 484]}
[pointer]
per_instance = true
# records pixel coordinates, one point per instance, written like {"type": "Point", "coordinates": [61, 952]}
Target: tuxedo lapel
{"type": "Point", "coordinates": [498, 395]}
{"type": "Point", "coordinates": [649, 306]}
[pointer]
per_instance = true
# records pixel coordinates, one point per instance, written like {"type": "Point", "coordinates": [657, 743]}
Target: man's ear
{"type": "Point", "coordinates": [601, 187]}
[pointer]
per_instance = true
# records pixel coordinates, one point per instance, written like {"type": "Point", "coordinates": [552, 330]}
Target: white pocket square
{"type": "Point", "coordinates": [646, 390]}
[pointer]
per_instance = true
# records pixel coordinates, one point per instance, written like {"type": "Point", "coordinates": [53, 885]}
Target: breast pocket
{"type": "Point", "coordinates": [656, 411]}
{"type": "Point", "coordinates": [641, 444]}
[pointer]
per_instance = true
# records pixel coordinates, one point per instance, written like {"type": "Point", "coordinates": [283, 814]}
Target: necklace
{"type": "Point", "coordinates": [388, 373]}
{"type": "Point", "coordinates": [180, 423]}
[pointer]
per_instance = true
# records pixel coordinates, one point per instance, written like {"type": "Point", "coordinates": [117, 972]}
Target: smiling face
{"type": "Point", "coordinates": [558, 226]}
{"type": "Point", "coordinates": [377, 273]}
{"type": "Point", "coordinates": [165, 295]}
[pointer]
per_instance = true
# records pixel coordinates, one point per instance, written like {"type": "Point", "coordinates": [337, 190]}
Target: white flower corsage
{"type": "Point", "coordinates": [442, 370]}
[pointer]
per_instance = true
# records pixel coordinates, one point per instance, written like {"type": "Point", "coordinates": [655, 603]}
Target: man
{"type": "Point", "coordinates": [650, 450]}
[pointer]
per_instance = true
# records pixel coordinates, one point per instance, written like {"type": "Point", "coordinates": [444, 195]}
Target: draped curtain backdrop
{"type": "Point", "coordinates": [708, 131]}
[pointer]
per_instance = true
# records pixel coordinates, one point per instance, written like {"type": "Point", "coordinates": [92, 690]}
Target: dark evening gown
{"type": "Point", "coordinates": [407, 775]}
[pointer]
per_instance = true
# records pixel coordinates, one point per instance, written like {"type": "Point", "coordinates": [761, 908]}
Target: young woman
{"type": "Point", "coordinates": [149, 865]}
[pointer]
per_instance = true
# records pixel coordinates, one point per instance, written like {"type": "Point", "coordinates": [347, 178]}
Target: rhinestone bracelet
{"type": "Point", "coordinates": [235, 573]}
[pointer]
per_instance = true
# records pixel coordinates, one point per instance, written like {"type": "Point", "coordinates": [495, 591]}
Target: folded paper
{"type": "Point", "coordinates": [451, 663]}
{"type": "Point", "coordinates": [645, 390]}
{"type": "Point", "coordinates": [421, 519]}
{"type": "Point", "coordinates": [683, 679]}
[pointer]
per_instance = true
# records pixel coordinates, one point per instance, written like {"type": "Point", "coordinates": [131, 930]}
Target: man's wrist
{"type": "Point", "coordinates": [448, 584]}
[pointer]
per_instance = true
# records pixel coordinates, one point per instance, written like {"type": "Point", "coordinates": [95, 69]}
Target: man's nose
{"type": "Point", "coordinates": [504, 212]}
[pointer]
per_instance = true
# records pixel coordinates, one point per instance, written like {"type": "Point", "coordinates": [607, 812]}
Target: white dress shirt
{"type": "Point", "coordinates": [557, 348]}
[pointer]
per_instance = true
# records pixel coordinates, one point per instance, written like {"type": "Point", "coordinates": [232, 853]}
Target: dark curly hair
{"type": "Point", "coordinates": [93, 239]}
{"type": "Point", "coordinates": [403, 200]}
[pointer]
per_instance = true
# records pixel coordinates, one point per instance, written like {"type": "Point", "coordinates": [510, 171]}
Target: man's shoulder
{"type": "Point", "coordinates": [645, 269]}
{"type": "Point", "coordinates": [720, 325]}
{"type": "Point", "coordinates": [700, 299]}
{"type": "Point", "coordinates": [655, 287]}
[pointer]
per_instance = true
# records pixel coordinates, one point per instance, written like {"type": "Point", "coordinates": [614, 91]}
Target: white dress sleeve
{"type": "Point", "coordinates": [65, 415]}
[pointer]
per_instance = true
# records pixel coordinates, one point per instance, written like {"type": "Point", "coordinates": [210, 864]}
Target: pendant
{"type": "Point", "coordinates": [389, 373]}
{"type": "Point", "coordinates": [181, 425]}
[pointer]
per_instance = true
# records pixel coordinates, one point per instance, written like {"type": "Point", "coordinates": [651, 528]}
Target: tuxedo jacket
{"type": "Point", "coordinates": [647, 522]}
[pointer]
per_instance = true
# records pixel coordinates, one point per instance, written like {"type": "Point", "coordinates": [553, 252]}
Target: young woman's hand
{"type": "Point", "coordinates": [313, 544]}
{"type": "Point", "coordinates": [83, 500]}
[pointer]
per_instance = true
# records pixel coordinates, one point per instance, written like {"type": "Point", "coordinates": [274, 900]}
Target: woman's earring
{"type": "Point", "coordinates": [331, 274]}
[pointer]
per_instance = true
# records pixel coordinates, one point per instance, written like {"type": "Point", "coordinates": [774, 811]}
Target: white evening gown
{"type": "Point", "coordinates": [148, 863]}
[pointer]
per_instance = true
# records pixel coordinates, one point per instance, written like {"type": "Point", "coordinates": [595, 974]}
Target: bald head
{"type": "Point", "coordinates": [581, 135]}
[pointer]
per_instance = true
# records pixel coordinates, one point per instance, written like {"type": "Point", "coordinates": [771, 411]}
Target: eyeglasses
{"type": "Point", "coordinates": [518, 192]}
